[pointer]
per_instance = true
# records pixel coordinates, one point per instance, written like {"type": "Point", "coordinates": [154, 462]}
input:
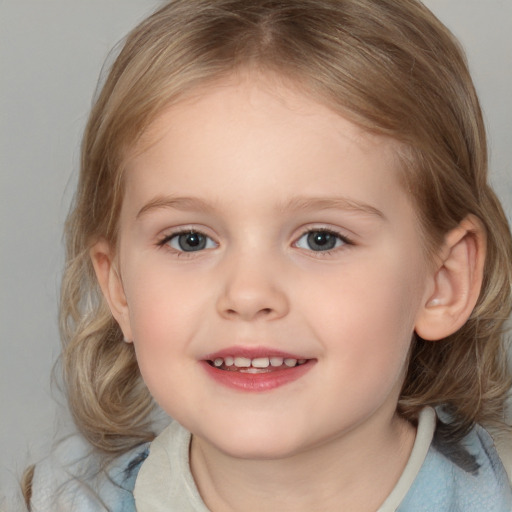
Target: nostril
{"type": "Point", "coordinates": [247, 304]}
{"type": "Point", "coordinates": [262, 312]}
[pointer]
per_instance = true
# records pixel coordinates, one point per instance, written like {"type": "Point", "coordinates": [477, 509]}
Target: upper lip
{"type": "Point", "coordinates": [252, 353]}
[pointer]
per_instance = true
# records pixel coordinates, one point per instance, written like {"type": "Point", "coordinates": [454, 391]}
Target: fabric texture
{"type": "Point", "coordinates": [72, 480]}
{"type": "Point", "coordinates": [468, 477]}
{"type": "Point", "coordinates": [164, 482]}
{"type": "Point", "coordinates": [439, 477]}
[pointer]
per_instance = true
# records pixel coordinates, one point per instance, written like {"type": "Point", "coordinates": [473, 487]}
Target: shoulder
{"type": "Point", "coordinates": [466, 477]}
{"type": "Point", "coordinates": [73, 478]}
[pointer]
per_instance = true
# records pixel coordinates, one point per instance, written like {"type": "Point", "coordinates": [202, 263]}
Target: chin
{"type": "Point", "coordinates": [256, 441]}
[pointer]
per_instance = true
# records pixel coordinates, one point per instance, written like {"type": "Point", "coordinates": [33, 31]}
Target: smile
{"type": "Point", "coordinates": [255, 370]}
{"type": "Point", "coordinates": [255, 365]}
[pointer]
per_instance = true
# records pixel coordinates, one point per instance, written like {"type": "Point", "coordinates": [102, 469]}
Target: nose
{"type": "Point", "coordinates": [252, 290]}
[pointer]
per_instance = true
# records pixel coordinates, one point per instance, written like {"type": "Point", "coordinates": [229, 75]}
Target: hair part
{"type": "Point", "coordinates": [389, 66]}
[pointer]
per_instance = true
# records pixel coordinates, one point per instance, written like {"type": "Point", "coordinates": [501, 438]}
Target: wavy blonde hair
{"type": "Point", "coordinates": [391, 67]}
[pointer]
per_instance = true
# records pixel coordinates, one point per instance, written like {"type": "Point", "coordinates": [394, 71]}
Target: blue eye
{"type": "Point", "coordinates": [320, 240]}
{"type": "Point", "coordinates": [190, 241]}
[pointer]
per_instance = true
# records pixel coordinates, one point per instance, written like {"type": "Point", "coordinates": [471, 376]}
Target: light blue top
{"type": "Point", "coordinates": [465, 477]}
{"type": "Point", "coordinates": [468, 477]}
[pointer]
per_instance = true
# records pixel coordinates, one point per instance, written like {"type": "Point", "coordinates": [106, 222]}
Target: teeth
{"type": "Point", "coordinates": [260, 362]}
{"type": "Point", "coordinates": [250, 370]}
{"type": "Point", "coordinates": [242, 362]}
{"type": "Point", "coordinates": [257, 362]}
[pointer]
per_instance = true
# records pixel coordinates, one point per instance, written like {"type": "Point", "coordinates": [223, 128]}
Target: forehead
{"type": "Point", "coordinates": [256, 132]}
{"type": "Point", "coordinates": [255, 94]}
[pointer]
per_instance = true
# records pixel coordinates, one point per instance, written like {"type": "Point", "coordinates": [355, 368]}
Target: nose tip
{"type": "Point", "coordinates": [249, 297]}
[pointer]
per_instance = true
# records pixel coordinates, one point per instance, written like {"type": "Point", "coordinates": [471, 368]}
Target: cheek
{"type": "Point", "coordinates": [164, 317]}
{"type": "Point", "coordinates": [162, 301]}
{"type": "Point", "coordinates": [164, 314]}
{"type": "Point", "coordinates": [366, 319]}
{"type": "Point", "coordinates": [366, 298]}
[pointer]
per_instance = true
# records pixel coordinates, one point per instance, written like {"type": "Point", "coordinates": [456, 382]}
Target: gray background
{"type": "Point", "coordinates": [51, 53]}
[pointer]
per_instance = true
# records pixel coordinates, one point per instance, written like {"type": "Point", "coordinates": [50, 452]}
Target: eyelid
{"type": "Point", "coordinates": [164, 240]}
{"type": "Point", "coordinates": [346, 241]}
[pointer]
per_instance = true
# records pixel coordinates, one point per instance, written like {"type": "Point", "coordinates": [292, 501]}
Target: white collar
{"type": "Point", "coordinates": [424, 435]}
{"type": "Point", "coordinates": [165, 482]}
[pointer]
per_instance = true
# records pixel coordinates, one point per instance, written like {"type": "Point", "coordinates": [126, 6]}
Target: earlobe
{"type": "Point", "coordinates": [105, 267]}
{"type": "Point", "coordinates": [456, 281]}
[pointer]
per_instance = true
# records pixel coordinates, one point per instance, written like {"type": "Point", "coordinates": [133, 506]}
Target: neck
{"type": "Point", "coordinates": [354, 472]}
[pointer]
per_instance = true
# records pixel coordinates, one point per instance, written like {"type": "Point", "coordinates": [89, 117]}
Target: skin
{"type": "Point", "coordinates": [261, 166]}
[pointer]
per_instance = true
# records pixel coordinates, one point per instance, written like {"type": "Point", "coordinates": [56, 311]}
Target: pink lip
{"type": "Point", "coordinates": [251, 353]}
{"type": "Point", "coordinates": [255, 382]}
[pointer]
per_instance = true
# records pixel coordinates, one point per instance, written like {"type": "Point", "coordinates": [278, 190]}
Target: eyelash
{"type": "Point", "coordinates": [164, 242]}
{"type": "Point", "coordinates": [345, 241]}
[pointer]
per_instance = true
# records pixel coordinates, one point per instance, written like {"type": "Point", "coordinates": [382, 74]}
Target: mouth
{"type": "Point", "coordinates": [255, 370]}
{"type": "Point", "coordinates": [266, 364]}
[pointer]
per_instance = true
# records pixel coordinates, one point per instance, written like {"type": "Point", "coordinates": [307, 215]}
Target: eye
{"type": "Point", "coordinates": [189, 241]}
{"type": "Point", "coordinates": [321, 240]}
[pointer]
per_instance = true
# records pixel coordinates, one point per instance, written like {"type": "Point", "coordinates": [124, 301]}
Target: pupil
{"type": "Point", "coordinates": [192, 242]}
{"type": "Point", "coordinates": [321, 241]}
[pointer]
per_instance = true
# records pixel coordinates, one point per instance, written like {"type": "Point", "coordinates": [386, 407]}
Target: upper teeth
{"type": "Point", "coordinates": [257, 362]}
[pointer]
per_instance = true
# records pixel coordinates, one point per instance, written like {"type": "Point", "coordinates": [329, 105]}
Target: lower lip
{"type": "Point", "coordinates": [257, 382]}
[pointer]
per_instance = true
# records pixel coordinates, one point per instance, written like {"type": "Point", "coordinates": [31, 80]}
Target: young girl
{"type": "Point", "coordinates": [284, 236]}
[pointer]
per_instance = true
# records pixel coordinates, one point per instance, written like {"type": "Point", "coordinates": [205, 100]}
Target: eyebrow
{"type": "Point", "coordinates": [178, 203]}
{"type": "Point", "coordinates": [295, 204]}
{"type": "Point", "coordinates": [332, 203]}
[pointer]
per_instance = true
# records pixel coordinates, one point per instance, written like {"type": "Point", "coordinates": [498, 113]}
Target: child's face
{"type": "Point", "coordinates": [261, 225]}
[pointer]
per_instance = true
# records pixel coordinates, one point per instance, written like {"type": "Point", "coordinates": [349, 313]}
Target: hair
{"type": "Point", "coordinates": [390, 67]}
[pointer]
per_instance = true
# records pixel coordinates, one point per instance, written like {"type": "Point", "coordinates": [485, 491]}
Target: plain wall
{"type": "Point", "coordinates": [51, 53]}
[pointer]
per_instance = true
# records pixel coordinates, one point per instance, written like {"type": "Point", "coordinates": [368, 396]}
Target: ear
{"type": "Point", "coordinates": [456, 281]}
{"type": "Point", "coordinates": [105, 266]}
